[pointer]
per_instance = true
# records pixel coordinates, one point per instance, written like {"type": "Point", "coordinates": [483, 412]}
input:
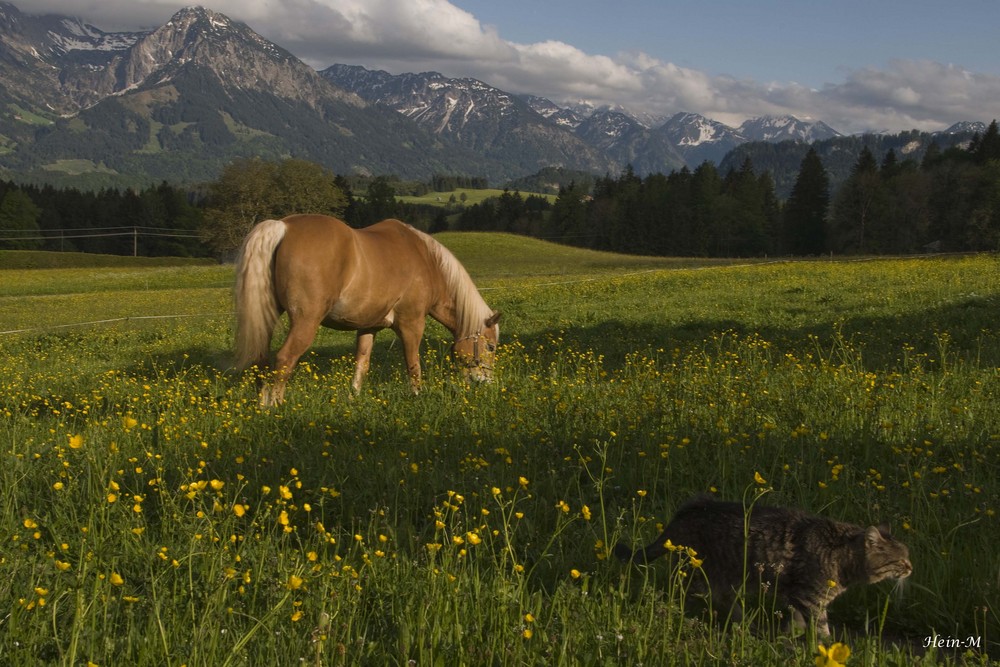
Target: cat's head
{"type": "Point", "coordinates": [885, 556]}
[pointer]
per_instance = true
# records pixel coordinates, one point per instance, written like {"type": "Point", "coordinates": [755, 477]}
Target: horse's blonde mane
{"type": "Point", "coordinates": [471, 309]}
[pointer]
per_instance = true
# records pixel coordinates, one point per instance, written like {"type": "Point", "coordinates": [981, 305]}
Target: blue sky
{"type": "Point", "coordinates": [859, 66]}
{"type": "Point", "coordinates": [812, 43]}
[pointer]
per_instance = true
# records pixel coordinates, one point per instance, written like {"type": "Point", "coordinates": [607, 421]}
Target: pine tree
{"type": "Point", "coordinates": [988, 146]}
{"type": "Point", "coordinates": [19, 222]}
{"type": "Point", "coordinates": [856, 207]}
{"type": "Point", "coordinates": [805, 212]}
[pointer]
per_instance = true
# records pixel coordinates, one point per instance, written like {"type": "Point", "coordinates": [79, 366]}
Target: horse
{"type": "Point", "coordinates": [387, 275]}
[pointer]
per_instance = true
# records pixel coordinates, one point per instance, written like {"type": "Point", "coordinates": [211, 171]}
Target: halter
{"type": "Point", "coordinates": [476, 361]}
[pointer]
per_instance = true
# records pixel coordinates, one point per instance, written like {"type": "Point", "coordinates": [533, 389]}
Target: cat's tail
{"type": "Point", "coordinates": [641, 556]}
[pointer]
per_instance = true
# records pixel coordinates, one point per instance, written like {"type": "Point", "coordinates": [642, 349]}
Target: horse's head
{"type": "Point", "coordinates": [476, 352]}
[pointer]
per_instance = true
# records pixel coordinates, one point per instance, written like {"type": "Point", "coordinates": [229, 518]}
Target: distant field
{"type": "Point", "coordinates": [155, 515]}
{"type": "Point", "coordinates": [471, 197]}
{"type": "Point", "coordinates": [40, 259]}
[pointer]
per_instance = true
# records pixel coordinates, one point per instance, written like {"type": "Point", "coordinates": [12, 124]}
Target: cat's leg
{"type": "Point", "coordinates": [803, 614]}
{"type": "Point", "coordinates": [726, 606]}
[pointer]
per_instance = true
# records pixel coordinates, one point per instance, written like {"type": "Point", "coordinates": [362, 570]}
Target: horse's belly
{"type": "Point", "coordinates": [345, 316]}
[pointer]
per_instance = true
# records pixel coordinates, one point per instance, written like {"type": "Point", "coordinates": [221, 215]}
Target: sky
{"type": "Point", "coordinates": [873, 65]}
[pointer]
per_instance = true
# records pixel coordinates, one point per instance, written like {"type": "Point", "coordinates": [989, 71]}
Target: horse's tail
{"type": "Point", "coordinates": [257, 309]}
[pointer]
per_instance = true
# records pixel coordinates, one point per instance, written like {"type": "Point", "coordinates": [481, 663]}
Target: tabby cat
{"type": "Point", "coordinates": [807, 560]}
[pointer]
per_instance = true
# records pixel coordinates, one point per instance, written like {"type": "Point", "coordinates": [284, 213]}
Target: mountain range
{"type": "Point", "coordinates": [84, 106]}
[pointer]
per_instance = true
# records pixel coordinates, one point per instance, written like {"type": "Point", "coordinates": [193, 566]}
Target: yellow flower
{"type": "Point", "coordinates": [239, 510]}
{"type": "Point", "coordinates": [835, 656]}
{"type": "Point", "coordinates": [58, 486]}
{"type": "Point", "coordinates": [563, 507]}
{"type": "Point", "coordinates": [295, 582]}
{"type": "Point", "coordinates": [75, 441]}
{"type": "Point", "coordinates": [29, 524]}
{"type": "Point", "coordinates": [296, 616]}
{"type": "Point", "coordinates": [575, 573]}
{"type": "Point", "coordinates": [285, 492]}
{"type": "Point", "coordinates": [696, 562]}
{"type": "Point", "coordinates": [527, 633]}
{"type": "Point", "coordinates": [217, 484]}
{"type": "Point", "coordinates": [757, 477]}
{"type": "Point", "coordinates": [62, 565]}
{"type": "Point", "coordinates": [129, 423]}
{"type": "Point", "coordinates": [116, 579]}
{"type": "Point", "coordinates": [523, 481]}
{"type": "Point", "coordinates": [528, 618]}
{"type": "Point", "coordinates": [585, 511]}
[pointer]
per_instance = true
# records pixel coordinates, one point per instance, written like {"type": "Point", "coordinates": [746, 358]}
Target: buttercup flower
{"type": "Point", "coordinates": [835, 656]}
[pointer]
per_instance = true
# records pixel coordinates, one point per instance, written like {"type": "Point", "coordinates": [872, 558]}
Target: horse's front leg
{"type": "Point", "coordinates": [362, 358]}
{"type": "Point", "coordinates": [410, 334]}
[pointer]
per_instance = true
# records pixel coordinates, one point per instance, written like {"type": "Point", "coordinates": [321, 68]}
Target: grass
{"type": "Point", "coordinates": [76, 167]}
{"type": "Point", "coordinates": [43, 259]}
{"type": "Point", "coordinates": [472, 196]}
{"type": "Point", "coordinates": [154, 515]}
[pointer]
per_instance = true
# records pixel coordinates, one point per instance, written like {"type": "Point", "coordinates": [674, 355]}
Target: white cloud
{"type": "Point", "coordinates": [419, 35]}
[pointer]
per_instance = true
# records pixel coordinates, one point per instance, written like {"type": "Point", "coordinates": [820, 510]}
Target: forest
{"type": "Point", "coordinates": [948, 201]}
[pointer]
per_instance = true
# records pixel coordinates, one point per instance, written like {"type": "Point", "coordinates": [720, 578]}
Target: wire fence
{"type": "Point", "coordinates": [135, 232]}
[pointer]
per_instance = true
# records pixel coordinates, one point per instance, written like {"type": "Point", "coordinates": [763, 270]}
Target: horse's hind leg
{"type": "Point", "coordinates": [301, 335]}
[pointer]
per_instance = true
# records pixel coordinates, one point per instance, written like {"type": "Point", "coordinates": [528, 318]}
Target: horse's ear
{"type": "Point", "coordinates": [493, 319]}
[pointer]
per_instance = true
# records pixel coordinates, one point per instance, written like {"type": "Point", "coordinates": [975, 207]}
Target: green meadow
{"type": "Point", "coordinates": [466, 196]}
{"type": "Point", "coordinates": [154, 514]}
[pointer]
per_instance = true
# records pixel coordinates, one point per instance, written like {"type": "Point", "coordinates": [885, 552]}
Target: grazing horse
{"type": "Point", "coordinates": [388, 275]}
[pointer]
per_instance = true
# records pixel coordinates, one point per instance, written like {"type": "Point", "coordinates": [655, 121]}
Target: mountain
{"type": "Point", "coordinates": [39, 52]}
{"type": "Point", "coordinates": [786, 128]}
{"type": "Point", "coordinates": [527, 131]}
{"type": "Point", "coordinates": [967, 127]}
{"type": "Point", "coordinates": [698, 138]}
{"type": "Point", "coordinates": [564, 116]}
{"type": "Point", "coordinates": [476, 116]}
{"type": "Point", "coordinates": [91, 108]}
{"type": "Point", "coordinates": [839, 154]}
{"type": "Point", "coordinates": [179, 102]}
{"type": "Point", "coordinates": [629, 142]}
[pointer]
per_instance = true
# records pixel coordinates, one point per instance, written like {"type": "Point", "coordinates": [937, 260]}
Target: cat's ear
{"type": "Point", "coordinates": [874, 536]}
{"type": "Point", "coordinates": [885, 530]}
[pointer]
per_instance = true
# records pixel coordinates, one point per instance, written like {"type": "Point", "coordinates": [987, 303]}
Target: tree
{"type": "Point", "coordinates": [240, 198]}
{"type": "Point", "coordinates": [988, 146]}
{"type": "Point", "coordinates": [856, 208]}
{"type": "Point", "coordinates": [306, 187]}
{"type": "Point", "coordinates": [378, 204]}
{"type": "Point", "coordinates": [251, 190]}
{"type": "Point", "coordinates": [19, 222]}
{"type": "Point", "coordinates": [805, 212]}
